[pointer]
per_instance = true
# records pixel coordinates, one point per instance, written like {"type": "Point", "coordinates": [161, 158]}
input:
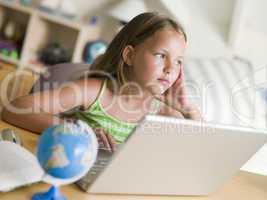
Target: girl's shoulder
{"type": "Point", "coordinates": [89, 84]}
{"type": "Point", "coordinates": [89, 88]}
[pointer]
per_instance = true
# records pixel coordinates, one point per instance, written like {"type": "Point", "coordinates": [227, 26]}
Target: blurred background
{"type": "Point", "coordinates": [227, 43]}
{"type": "Point", "coordinates": [215, 28]}
{"type": "Point", "coordinates": [225, 66]}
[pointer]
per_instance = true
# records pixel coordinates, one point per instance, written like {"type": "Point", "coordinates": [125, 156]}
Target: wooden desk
{"type": "Point", "coordinates": [244, 186]}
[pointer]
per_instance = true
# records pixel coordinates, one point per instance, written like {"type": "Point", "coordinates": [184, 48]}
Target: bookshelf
{"type": "Point", "coordinates": [40, 29]}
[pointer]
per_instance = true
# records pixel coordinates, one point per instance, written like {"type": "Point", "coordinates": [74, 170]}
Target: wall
{"type": "Point", "coordinates": [251, 38]}
{"type": "Point", "coordinates": [208, 24]}
{"type": "Point", "coordinates": [109, 25]}
{"type": "Point", "coordinates": [203, 21]}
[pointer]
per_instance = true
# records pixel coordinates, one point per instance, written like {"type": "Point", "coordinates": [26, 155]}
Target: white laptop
{"type": "Point", "coordinates": [167, 156]}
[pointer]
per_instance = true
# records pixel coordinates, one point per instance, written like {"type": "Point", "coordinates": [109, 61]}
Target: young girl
{"type": "Point", "coordinates": [144, 75]}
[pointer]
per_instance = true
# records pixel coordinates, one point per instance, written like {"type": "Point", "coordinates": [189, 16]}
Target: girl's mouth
{"type": "Point", "coordinates": [164, 81]}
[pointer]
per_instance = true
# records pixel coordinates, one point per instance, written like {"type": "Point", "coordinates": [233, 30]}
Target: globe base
{"type": "Point", "coordinates": [52, 194]}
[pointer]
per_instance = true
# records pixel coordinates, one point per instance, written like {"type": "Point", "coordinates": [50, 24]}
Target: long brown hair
{"type": "Point", "coordinates": [133, 33]}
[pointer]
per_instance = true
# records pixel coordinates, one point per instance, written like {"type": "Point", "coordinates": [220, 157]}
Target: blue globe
{"type": "Point", "coordinates": [67, 151]}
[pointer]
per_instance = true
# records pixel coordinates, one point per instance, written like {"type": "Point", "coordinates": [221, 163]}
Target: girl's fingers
{"type": "Point", "coordinates": [175, 96]}
{"type": "Point", "coordinates": [181, 92]}
{"type": "Point", "coordinates": [106, 140]}
{"type": "Point", "coordinates": [180, 79]}
{"type": "Point", "coordinates": [182, 96]}
{"type": "Point", "coordinates": [103, 138]}
{"type": "Point", "coordinates": [112, 142]}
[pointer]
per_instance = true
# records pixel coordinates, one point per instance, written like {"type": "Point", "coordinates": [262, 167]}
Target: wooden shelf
{"type": "Point", "coordinates": [55, 18]}
{"type": "Point", "coordinates": [59, 19]}
{"type": "Point", "coordinates": [9, 60]}
{"type": "Point", "coordinates": [44, 28]}
{"type": "Point", "coordinates": [17, 6]}
{"type": "Point", "coordinates": [37, 68]}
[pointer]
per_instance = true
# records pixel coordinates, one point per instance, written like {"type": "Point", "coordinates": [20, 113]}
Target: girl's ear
{"type": "Point", "coordinates": [127, 55]}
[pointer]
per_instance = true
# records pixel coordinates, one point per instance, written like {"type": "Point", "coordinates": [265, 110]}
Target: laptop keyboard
{"type": "Point", "coordinates": [103, 158]}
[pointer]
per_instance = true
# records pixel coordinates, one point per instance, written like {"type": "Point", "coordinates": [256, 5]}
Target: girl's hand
{"type": "Point", "coordinates": [175, 97]}
{"type": "Point", "coordinates": [105, 140]}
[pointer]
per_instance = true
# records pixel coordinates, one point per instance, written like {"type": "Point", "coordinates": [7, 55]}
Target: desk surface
{"type": "Point", "coordinates": [243, 186]}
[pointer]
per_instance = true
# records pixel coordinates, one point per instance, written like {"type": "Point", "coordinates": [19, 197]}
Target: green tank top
{"type": "Point", "coordinates": [97, 117]}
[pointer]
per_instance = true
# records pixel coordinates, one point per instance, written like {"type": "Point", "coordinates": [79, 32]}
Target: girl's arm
{"type": "Point", "coordinates": [191, 112]}
{"type": "Point", "coordinates": [40, 110]}
{"type": "Point", "coordinates": [176, 103]}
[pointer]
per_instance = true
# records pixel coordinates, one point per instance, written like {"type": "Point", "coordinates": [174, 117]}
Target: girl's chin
{"type": "Point", "coordinates": [157, 90]}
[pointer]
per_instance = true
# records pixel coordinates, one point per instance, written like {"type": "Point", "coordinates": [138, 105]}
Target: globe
{"type": "Point", "coordinates": [66, 152]}
{"type": "Point", "coordinates": [93, 49]}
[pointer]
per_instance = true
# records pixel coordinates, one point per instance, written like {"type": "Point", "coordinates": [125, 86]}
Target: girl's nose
{"type": "Point", "coordinates": [168, 67]}
{"type": "Point", "coordinates": [167, 70]}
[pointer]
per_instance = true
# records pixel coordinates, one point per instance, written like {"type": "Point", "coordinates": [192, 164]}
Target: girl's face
{"type": "Point", "coordinates": [156, 63]}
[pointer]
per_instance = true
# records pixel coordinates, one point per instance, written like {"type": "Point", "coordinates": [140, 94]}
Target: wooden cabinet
{"type": "Point", "coordinates": [5, 85]}
{"type": "Point", "coordinates": [41, 29]}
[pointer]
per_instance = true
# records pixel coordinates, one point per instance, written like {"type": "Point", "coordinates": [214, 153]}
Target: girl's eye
{"type": "Point", "coordinates": [178, 62]}
{"type": "Point", "coordinates": [160, 55]}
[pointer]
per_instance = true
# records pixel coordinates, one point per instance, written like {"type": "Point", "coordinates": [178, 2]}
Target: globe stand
{"type": "Point", "coordinates": [65, 152]}
{"type": "Point", "coordinates": [52, 194]}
